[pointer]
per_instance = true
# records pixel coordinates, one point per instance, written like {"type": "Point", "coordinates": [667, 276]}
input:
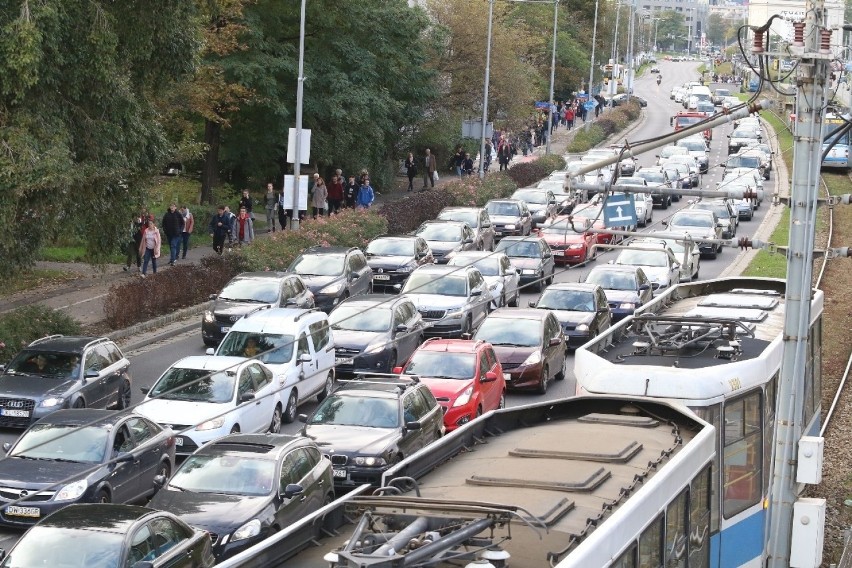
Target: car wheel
{"type": "Point", "coordinates": [275, 424]}
{"type": "Point", "coordinates": [124, 395]}
{"type": "Point", "coordinates": [516, 300]}
{"type": "Point", "coordinates": [664, 204]}
{"type": "Point", "coordinates": [540, 282]}
{"type": "Point", "coordinates": [209, 343]}
{"type": "Point", "coordinates": [235, 429]}
{"type": "Point", "coordinates": [560, 376]}
{"type": "Point", "coordinates": [79, 403]}
{"type": "Point", "coordinates": [466, 326]}
{"type": "Point", "coordinates": [165, 470]}
{"type": "Point", "coordinates": [102, 496]}
{"type": "Point", "coordinates": [502, 403]}
{"type": "Point", "coordinates": [290, 410]}
{"type": "Point", "coordinates": [329, 381]}
{"type": "Point", "coordinates": [545, 377]}
{"type": "Point", "coordinates": [552, 276]}
{"type": "Point", "coordinates": [503, 301]}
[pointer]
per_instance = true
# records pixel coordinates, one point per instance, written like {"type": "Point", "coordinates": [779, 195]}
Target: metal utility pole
{"type": "Point", "coordinates": [297, 163]}
{"type": "Point", "coordinates": [592, 62]}
{"type": "Point", "coordinates": [814, 56]}
{"type": "Point", "coordinates": [552, 77]}
{"type": "Point", "coordinates": [614, 54]}
{"type": "Point", "coordinates": [629, 82]}
{"type": "Point", "coordinates": [485, 92]}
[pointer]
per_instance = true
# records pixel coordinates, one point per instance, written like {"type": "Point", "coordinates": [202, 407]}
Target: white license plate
{"type": "Point", "coordinates": [381, 277]}
{"type": "Point", "coordinates": [226, 329]}
{"type": "Point", "coordinates": [344, 360]}
{"type": "Point", "coordinates": [339, 473]}
{"type": "Point", "coordinates": [12, 412]}
{"type": "Point", "coordinates": [498, 233]}
{"type": "Point", "coordinates": [559, 253]}
{"type": "Point", "coordinates": [23, 511]}
{"type": "Point", "coordinates": [178, 441]}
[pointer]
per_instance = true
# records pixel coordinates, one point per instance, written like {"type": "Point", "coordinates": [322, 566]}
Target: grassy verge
{"type": "Point", "coordinates": [32, 279]}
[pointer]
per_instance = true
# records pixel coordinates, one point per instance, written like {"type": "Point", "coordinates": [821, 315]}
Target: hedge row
{"type": "Point", "coordinates": [529, 173]}
{"type": "Point", "coordinates": [22, 326]}
{"type": "Point", "coordinates": [611, 122]}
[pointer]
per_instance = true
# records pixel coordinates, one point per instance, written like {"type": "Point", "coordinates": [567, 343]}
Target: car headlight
{"type": "Point", "coordinates": [375, 348]}
{"type": "Point", "coordinates": [454, 314]}
{"type": "Point", "coordinates": [535, 357]}
{"type": "Point", "coordinates": [582, 327]}
{"type": "Point", "coordinates": [333, 288]}
{"type": "Point", "coordinates": [510, 227]}
{"type": "Point", "coordinates": [627, 306]}
{"type": "Point", "coordinates": [211, 424]}
{"type": "Point", "coordinates": [52, 401]}
{"type": "Point", "coordinates": [528, 271]}
{"type": "Point", "coordinates": [248, 530]}
{"type": "Point", "coordinates": [72, 491]}
{"type": "Point", "coordinates": [575, 246]}
{"type": "Point", "coordinates": [208, 317]}
{"type": "Point", "coordinates": [464, 397]}
{"type": "Point", "coordinates": [370, 461]}
{"type": "Point", "coordinates": [406, 268]}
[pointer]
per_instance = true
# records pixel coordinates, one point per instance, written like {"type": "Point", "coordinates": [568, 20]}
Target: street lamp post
{"type": "Point", "coordinates": [294, 220]}
{"type": "Point", "coordinates": [630, 38]}
{"type": "Point", "coordinates": [485, 92]}
{"type": "Point", "coordinates": [552, 77]}
{"type": "Point", "coordinates": [592, 60]}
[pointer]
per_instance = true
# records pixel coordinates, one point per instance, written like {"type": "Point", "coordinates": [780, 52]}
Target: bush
{"type": "Point", "coordinates": [22, 326]}
{"type": "Point", "coordinates": [612, 122]}
{"type": "Point", "coordinates": [405, 215]}
{"type": "Point", "coordinates": [528, 173]}
{"type": "Point", "coordinates": [474, 192]}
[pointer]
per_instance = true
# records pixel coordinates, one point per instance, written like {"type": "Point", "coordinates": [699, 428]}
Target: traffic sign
{"type": "Point", "coordinates": [619, 210]}
{"type": "Point", "coordinates": [590, 105]}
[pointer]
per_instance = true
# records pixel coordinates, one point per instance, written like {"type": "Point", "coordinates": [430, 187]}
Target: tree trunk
{"type": "Point", "coordinates": [210, 169]}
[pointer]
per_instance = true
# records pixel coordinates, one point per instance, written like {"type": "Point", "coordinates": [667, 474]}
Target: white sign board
{"type": "Point", "coordinates": [303, 192]}
{"type": "Point", "coordinates": [759, 11]}
{"type": "Point", "coordinates": [304, 149]}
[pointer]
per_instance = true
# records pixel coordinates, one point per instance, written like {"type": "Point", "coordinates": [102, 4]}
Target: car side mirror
{"type": "Point", "coordinates": [467, 241]}
{"type": "Point", "coordinates": [290, 302]}
{"type": "Point", "coordinates": [6, 447]}
{"type": "Point", "coordinates": [352, 276]}
{"type": "Point", "coordinates": [489, 377]}
{"type": "Point", "coordinates": [532, 304]}
{"type": "Point", "coordinates": [247, 396]}
{"type": "Point", "coordinates": [664, 223]}
{"type": "Point", "coordinates": [401, 328]}
{"type": "Point", "coordinates": [210, 351]}
{"type": "Point", "coordinates": [413, 425]}
{"type": "Point", "coordinates": [291, 490]}
{"type": "Point", "coordinates": [644, 287]}
{"type": "Point", "coordinates": [486, 225]}
{"type": "Point", "coordinates": [475, 293]}
{"type": "Point", "coordinates": [305, 358]}
{"type": "Point", "coordinates": [91, 374]}
{"type": "Point", "coordinates": [554, 341]}
{"type": "Point", "coordinates": [303, 418]}
{"type": "Point", "coordinates": [671, 121]}
{"type": "Point", "coordinates": [145, 390]}
{"type": "Point", "coordinates": [211, 297]}
{"type": "Point", "coordinates": [159, 481]}
{"type": "Point", "coordinates": [676, 266]}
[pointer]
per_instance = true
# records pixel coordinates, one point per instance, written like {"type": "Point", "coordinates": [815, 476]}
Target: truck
{"type": "Point", "coordinates": [687, 118]}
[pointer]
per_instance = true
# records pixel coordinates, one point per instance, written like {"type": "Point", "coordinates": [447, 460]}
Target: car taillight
{"type": "Point", "coordinates": [170, 442]}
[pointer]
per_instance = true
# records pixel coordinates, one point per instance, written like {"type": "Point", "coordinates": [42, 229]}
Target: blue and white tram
{"type": "Point", "coordinates": [715, 347]}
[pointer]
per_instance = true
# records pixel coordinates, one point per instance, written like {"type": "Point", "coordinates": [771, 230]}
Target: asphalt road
{"type": "Point", "coordinates": [151, 361]}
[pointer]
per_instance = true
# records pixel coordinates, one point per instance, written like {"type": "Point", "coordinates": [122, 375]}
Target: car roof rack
{"type": "Point", "coordinates": [257, 309]}
{"type": "Point", "coordinates": [47, 338]}
{"type": "Point", "coordinates": [306, 312]}
{"type": "Point", "coordinates": [402, 382]}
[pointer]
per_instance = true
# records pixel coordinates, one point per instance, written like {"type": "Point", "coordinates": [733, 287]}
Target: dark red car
{"type": "Point", "coordinates": [570, 242]}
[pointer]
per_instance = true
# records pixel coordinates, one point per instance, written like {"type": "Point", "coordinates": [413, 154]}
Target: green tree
{"type": "Point", "coordinates": [79, 126]}
{"type": "Point", "coordinates": [716, 28]}
{"type": "Point", "coordinates": [671, 30]}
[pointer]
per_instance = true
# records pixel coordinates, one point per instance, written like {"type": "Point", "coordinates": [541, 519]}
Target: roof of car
{"type": "Point", "coordinates": [64, 343]}
{"type": "Point", "coordinates": [519, 313]}
{"type": "Point", "coordinates": [460, 208]}
{"type": "Point", "coordinates": [82, 416]}
{"type": "Point", "coordinates": [253, 444]}
{"type": "Point", "coordinates": [443, 222]}
{"type": "Point", "coordinates": [209, 362]}
{"type": "Point", "coordinates": [266, 275]}
{"type": "Point", "coordinates": [444, 269]}
{"type": "Point", "coordinates": [273, 317]}
{"type": "Point", "coordinates": [584, 286]}
{"type": "Point", "coordinates": [396, 237]}
{"type": "Point", "coordinates": [529, 238]}
{"type": "Point", "coordinates": [109, 517]}
{"type": "Point", "coordinates": [477, 254]}
{"type": "Point", "coordinates": [376, 386]}
{"type": "Point", "coordinates": [374, 299]}
{"type": "Point", "coordinates": [451, 345]}
{"type": "Point", "coordinates": [318, 249]}
{"type": "Point", "coordinates": [616, 268]}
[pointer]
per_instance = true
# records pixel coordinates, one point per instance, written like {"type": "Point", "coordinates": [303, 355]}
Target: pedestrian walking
{"type": "Point", "coordinates": [149, 246]}
{"type": "Point", "coordinates": [430, 164]}
{"type": "Point", "coordinates": [467, 165]}
{"type": "Point", "coordinates": [458, 160]}
{"type": "Point", "coordinates": [137, 227]}
{"type": "Point", "coordinates": [220, 228]}
{"type": "Point", "coordinates": [231, 219]}
{"type": "Point", "coordinates": [504, 154]}
{"type": "Point", "coordinates": [320, 195]}
{"type": "Point", "coordinates": [282, 211]}
{"type": "Point", "coordinates": [270, 202]}
{"type": "Point", "coordinates": [411, 170]}
{"type": "Point", "coordinates": [188, 226]}
{"type": "Point", "coordinates": [173, 227]}
{"type": "Point", "coordinates": [244, 228]}
{"type": "Point", "coordinates": [335, 192]}
{"type": "Point", "coordinates": [350, 191]}
{"type": "Point", "coordinates": [245, 201]}
{"type": "Point", "coordinates": [365, 194]}
{"type": "Point", "coordinates": [569, 117]}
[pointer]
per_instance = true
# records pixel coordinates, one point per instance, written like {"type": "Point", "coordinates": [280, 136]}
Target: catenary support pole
{"type": "Point", "coordinates": [485, 92]}
{"type": "Point", "coordinates": [552, 76]}
{"type": "Point", "coordinates": [294, 221]}
{"type": "Point", "coordinates": [592, 62]}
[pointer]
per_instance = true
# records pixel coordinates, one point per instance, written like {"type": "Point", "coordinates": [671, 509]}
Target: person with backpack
{"type": "Point", "coordinates": [365, 194]}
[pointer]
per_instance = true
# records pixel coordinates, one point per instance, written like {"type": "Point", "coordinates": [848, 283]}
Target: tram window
{"type": "Point", "coordinates": [699, 520]}
{"type": "Point", "coordinates": [651, 545]}
{"type": "Point", "coordinates": [713, 415]}
{"type": "Point", "coordinates": [627, 558]}
{"type": "Point", "coordinates": [743, 456]}
{"type": "Point", "coordinates": [676, 533]}
{"type": "Point", "coordinates": [770, 396]}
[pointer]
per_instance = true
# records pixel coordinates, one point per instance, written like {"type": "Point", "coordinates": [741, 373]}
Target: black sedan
{"type": "Point", "coordinates": [582, 310]}
{"type": "Point", "coordinates": [244, 487]}
{"type": "Point", "coordinates": [375, 333]}
{"type": "Point", "coordinates": [111, 536]}
{"type": "Point", "coordinates": [333, 274]}
{"type": "Point", "coordinates": [626, 288]}
{"type": "Point", "coordinates": [446, 238]}
{"type": "Point", "coordinates": [82, 456]}
{"type": "Point", "coordinates": [532, 258]}
{"type": "Point", "coordinates": [392, 260]}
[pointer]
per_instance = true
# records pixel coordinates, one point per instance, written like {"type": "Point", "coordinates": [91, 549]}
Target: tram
{"type": "Point", "coordinates": [838, 156]}
{"type": "Point", "coordinates": [714, 347]}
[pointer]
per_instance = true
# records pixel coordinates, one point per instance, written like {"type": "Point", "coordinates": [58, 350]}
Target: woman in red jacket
{"type": "Point", "coordinates": [335, 192]}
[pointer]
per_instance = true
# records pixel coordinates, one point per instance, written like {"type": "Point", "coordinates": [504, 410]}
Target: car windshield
{"type": "Point", "coordinates": [571, 300]}
{"type": "Point", "coordinates": [743, 162]}
{"type": "Point", "coordinates": [643, 258]}
{"type": "Point", "coordinates": [653, 177]}
{"type": "Point", "coordinates": [686, 219]}
{"type": "Point", "coordinates": [347, 410]}
{"type": "Point", "coordinates": [391, 247]}
{"type": "Point", "coordinates": [442, 365]}
{"type": "Point", "coordinates": [226, 473]}
{"type": "Point", "coordinates": [272, 348]}
{"type": "Point", "coordinates": [537, 197]}
{"type": "Point", "coordinates": [503, 208]}
{"type": "Point", "coordinates": [522, 249]}
{"type": "Point", "coordinates": [612, 280]}
{"type": "Point", "coordinates": [510, 331]}
{"type": "Point", "coordinates": [195, 385]}
{"type": "Point", "coordinates": [63, 442]}
{"type": "Point", "coordinates": [465, 216]}
{"type": "Point", "coordinates": [53, 546]}
{"type": "Point", "coordinates": [360, 319]}
{"type": "Point", "coordinates": [747, 132]}
{"type": "Point", "coordinates": [440, 232]}
{"type": "Point", "coordinates": [45, 364]}
{"type": "Point", "coordinates": [319, 265]}
{"type": "Point", "coordinates": [720, 209]}
{"type": "Point", "coordinates": [684, 121]}
{"type": "Point", "coordinates": [588, 213]}
{"type": "Point", "coordinates": [258, 290]}
{"type": "Point", "coordinates": [693, 145]}
{"type": "Point", "coordinates": [488, 266]}
{"type": "Point", "coordinates": [436, 284]}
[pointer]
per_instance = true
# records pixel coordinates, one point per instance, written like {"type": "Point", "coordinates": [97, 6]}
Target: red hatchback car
{"type": "Point", "coordinates": [465, 376]}
{"type": "Point", "coordinates": [569, 241]}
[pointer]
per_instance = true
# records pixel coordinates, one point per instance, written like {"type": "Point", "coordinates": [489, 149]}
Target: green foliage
{"type": "Point", "coordinates": [471, 191]}
{"type": "Point", "coordinates": [405, 215]}
{"type": "Point", "coordinates": [586, 139]}
{"type": "Point", "coordinates": [527, 174]}
{"type": "Point", "coordinates": [611, 122]}
{"type": "Point", "coordinates": [22, 326]}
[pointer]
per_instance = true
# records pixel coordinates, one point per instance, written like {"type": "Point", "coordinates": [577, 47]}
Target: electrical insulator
{"type": "Point", "coordinates": [757, 47]}
{"type": "Point", "coordinates": [799, 34]}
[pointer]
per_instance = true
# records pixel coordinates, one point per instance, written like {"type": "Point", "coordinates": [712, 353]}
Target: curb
{"type": "Point", "coordinates": [161, 324]}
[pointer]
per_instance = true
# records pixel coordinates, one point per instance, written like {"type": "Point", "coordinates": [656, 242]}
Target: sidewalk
{"type": "Point", "coordinates": [83, 298]}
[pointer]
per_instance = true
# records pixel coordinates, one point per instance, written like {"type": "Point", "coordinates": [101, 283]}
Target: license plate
{"type": "Point", "coordinates": [23, 511]}
{"type": "Point", "coordinates": [12, 412]}
{"type": "Point", "coordinates": [344, 360]}
{"type": "Point", "coordinates": [226, 329]}
{"type": "Point", "coordinates": [178, 441]}
{"type": "Point", "coordinates": [559, 253]}
{"type": "Point", "coordinates": [381, 277]}
{"type": "Point", "coordinates": [498, 233]}
{"type": "Point", "coordinates": [339, 473]}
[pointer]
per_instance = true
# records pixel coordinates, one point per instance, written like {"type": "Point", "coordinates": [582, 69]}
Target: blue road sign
{"type": "Point", "coordinates": [590, 105]}
{"type": "Point", "coordinates": [620, 210]}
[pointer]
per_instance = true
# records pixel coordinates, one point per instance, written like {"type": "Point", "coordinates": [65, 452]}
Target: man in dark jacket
{"type": "Point", "coordinates": [220, 228]}
{"type": "Point", "coordinates": [350, 192]}
{"type": "Point", "coordinates": [245, 202]}
{"type": "Point", "coordinates": [173, 227]}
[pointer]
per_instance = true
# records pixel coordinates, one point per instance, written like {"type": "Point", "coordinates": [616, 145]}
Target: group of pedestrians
{"type": "Point", "coordinates": [429, 164]}
{"type": "Point", "coordinates": [145, 243]}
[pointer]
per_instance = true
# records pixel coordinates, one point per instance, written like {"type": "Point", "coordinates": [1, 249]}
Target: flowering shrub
{"type": "Point", "coordinates": [529, 173]}
{"type": "Point", "coordinates": [611, 122]}
{"type": "Point", "coordinates": [22, 326]}
{"type": "Point", "coordinates": [471, 191]}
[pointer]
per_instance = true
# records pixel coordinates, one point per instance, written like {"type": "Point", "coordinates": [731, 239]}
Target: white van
{"type": "Point", "coordinates": [698, 93]}
{"type": "Point", "coordinates": [296, 344]}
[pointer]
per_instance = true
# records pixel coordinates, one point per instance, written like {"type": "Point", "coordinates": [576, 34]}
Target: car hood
{"type": "Point", "coordinates": [564, 238]}
{"type": "Point", "coordinates": [510, 354]}
{"type": "Point", "coordinates": [340, 439]}
{"type": "Point", "coordinates": [446, 388]}
{"type": "Point", "coordinates": [656, 273]}
{"type": "Point", "coordinates": [695, 232]}
{"type": "Point", "coordinates": [350, 339]}
{"type": "Point", "coordinates": [523, 262]}
{"type": "Point", "coordinates": [32, 386]}
{"type": "Point", "coordinates": [568, 316]}
{"type": "Point", "coordinates": [19, 472]}
{"type": "Point", "coordinates": [217, 513]}
{"type": "Point", "coordinates": [233, 308]}
{"type": "Point", "coordinates": [435, 301]}
{"type": "Point", "coordinates": [389, 262]}
{"type": "Point", "coordinates": [622, 296]}
{"type": "Point", "coordinates": [180, 411]}
{"type": "Point", "coordinates": [505, 219]}
{"type": "Point", "coordinates": [317, 283]}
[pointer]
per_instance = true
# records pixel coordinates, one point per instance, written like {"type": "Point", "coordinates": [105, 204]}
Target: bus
{"type": "Point", "coordinates": [838, 156]}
